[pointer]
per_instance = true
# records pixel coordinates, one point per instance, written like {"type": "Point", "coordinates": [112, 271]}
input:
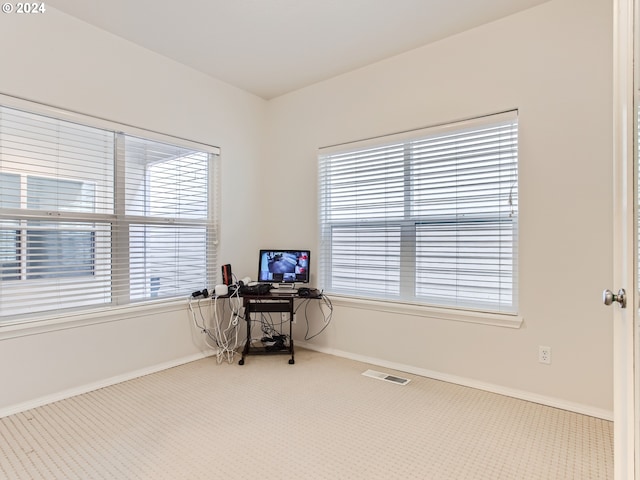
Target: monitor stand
{"type": "Point", "coordinates": [284, 288]}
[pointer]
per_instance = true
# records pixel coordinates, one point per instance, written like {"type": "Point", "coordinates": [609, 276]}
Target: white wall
{"type": "Point", "coordinates": [57, 60]}
{"type": "Point", "coordinates": [553, 63]}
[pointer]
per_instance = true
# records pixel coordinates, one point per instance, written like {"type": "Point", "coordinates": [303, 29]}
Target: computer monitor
{"type": "Point", "coordinates": [284, 266]}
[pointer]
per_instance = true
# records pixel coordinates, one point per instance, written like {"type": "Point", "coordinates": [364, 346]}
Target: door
{"type": "Point", "coordinates": [625, 261]}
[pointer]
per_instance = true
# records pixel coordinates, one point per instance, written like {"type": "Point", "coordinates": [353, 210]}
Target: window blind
{"type": "Point", "coordinates": [93, 217]}
{"type": "Point", "coordinates": [427, 217]}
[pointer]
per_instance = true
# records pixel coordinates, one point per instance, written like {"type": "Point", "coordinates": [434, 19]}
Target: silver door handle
{"type": "Point", "coordinates": [608, 297]}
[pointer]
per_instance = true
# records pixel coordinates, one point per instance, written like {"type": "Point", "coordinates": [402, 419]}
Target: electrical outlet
{"type": "Point", "coordinates": [544, 354]}
{"type": "Point", "coordinates": [295, 318]}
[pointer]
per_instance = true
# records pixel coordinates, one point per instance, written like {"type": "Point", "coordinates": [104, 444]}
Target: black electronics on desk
{"type": "Point", "coordinates": [259, 289]}
{"type": "Point", "coordinates": [284, 266]}
{"type": "Point", "coordinates": [309, 292]}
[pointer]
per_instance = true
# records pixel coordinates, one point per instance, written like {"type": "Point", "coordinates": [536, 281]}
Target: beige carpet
{"type": "Point", "coordinates": [317, 419]}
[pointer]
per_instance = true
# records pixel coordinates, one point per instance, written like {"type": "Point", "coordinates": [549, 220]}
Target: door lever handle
{"type": "Point", "coordinates": [608, 297]}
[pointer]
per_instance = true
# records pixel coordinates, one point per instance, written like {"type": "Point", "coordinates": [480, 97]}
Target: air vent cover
{"type": "Point", "coordinates": [386, 377]}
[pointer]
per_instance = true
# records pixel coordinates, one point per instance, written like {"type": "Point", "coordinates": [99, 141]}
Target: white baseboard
{"type": "Point", "coordinates": [38, 402]}
{"type": "Point", "coordinates": [522, 395]}
{"type": "Point", "coordinates": [467, 382]}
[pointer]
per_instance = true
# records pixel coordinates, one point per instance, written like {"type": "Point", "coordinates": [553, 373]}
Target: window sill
{"type": "Point", "coordinates": [52, 323]}
{"type": "Point", "coordinates": [448, 314]}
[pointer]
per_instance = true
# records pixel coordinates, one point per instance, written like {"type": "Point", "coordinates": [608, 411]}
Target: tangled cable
{"type": "Point", "coordinates": [323, 301]}
{"type": "Point", "coordinates": [222, 332]}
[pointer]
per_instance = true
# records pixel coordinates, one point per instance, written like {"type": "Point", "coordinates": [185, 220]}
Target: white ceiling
{"type": "Point", "coordinates": [271, 47]}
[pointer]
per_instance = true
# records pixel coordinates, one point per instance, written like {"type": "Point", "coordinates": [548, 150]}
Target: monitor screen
{"type": "Point", "coordinates": [284, 266]}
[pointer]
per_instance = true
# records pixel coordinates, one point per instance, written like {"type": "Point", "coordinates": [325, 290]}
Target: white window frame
{"type": "Point", "coordinates": [398, 212]}
{"type": "Point", "coordinates": [11, 321]}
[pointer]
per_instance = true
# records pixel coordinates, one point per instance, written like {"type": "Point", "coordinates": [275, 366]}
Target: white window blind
{"type": "Point", "coordinates": [91, 217]}
{"type": "Point", "coordinates": [427, 217]}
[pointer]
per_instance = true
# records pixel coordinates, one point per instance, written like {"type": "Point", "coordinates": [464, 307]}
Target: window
{"type": "Point", "coordinates": [94, 217]}
{"type": "Point", "coordinates": [426, 217]}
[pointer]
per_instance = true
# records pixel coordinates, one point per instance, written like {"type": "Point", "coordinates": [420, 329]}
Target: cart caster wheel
{"type": "Point", "coordinates": [241, 362]}
{"type": "Point", "coordinates": [291, 361]}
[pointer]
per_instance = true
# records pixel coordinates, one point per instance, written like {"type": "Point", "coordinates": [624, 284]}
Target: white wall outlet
{"type": "Point", "coordinates": [544, 354]}
{"type": "Point", "coordinates": [295, 318]}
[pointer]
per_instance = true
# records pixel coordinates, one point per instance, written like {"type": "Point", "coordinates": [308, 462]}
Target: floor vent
{"type": "Point", "coordinates": [386, 377]}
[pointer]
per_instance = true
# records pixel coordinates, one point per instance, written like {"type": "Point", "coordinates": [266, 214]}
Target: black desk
{"type": "Point", "coordinates": [280, 303]}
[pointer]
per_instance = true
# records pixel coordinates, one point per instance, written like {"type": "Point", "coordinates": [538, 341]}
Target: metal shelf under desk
{"type": "Point", "coordinates": [270, 303]}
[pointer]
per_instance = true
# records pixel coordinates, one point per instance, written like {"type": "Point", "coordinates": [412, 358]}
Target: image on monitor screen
{"type": "Point", "coordinates": [284, 266]}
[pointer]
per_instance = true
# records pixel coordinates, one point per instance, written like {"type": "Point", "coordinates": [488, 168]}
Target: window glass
{"type": "Point", "coordinates": [9, 254]}
{"type": "Point", "coordinates": [59, 194]}
{"type": "Point", "coordinates": [94, 217]}
{"type": "Point", "coordinates": [59, 253]}
{"type": "Point", "coordinates": [9, 190]}
{"type": "Point", "coordinates": [424, 217]}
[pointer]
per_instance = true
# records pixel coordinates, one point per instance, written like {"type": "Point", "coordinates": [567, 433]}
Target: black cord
{"type": "Point", "coordinates": [327, 320]}
{"type": "Point", "coordinates": [202, 327]}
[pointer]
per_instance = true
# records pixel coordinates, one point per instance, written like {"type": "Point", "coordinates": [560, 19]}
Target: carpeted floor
{"type": "Point", "coordinates": [317, 419]}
